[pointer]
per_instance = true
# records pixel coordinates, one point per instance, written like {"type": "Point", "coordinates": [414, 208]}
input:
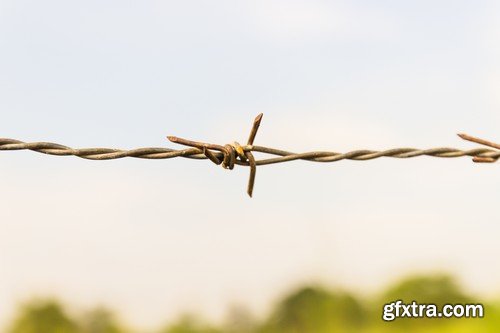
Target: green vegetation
{"type": "Point", "coordinates": [311, 309]}
{"type": "Point", "coordinates": [315, 309]}
{"type": "Point", "coordinates": [47, 316]}
{"type": "Point", "coordinates": [43, 316]}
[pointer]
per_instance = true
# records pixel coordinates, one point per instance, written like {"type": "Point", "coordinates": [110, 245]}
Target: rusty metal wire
{"type": "Point", "coordinates": [233, 154]}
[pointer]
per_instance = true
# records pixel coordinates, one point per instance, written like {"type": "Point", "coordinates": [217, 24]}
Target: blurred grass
{"type": "Point", "coordinates": [309, 309]}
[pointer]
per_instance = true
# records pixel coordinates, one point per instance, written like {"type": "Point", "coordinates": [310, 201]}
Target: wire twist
{"type": "Point", "coordinates": [233, 154]}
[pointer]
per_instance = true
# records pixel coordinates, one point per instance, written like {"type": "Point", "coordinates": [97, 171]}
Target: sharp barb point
{"type": "Point", "coordinates": [255, 128]}
{"type": "Point", "coordinates": [479, 141]}
{"type": "Point", "coordinates": [484, 159]}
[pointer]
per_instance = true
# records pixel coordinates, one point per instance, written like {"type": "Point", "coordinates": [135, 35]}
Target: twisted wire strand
{"type": "Point", "coordinates": [231, 154]}
{"type": "Point", "coordinates": [50, 148]}
{"type": "Point", "coordinates": [281, 155]}
{"type": "Point", "coordinates": [364, 155]}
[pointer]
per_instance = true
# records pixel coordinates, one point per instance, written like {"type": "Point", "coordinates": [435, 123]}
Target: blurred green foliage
{"type": "Point", "coordinates": [190, 324]}
{"type": "Point", "coordinates": [100, 320]}
{"type": "Point", "coordinates": [315, 309]}
{"type": "Point", "coordinates": [439, 289]}
{"type": "Point", "coordinates": [310, 309]}
{"type": "Point", "coordinates": [43, 316]}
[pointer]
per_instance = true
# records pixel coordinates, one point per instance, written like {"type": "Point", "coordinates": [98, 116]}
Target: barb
{"type": "Point", "coordinates": [480, 159]}
{"type": "Point", "coordinates": [229, 152]}
{"type": "Point", "coordinates": [233, 154]}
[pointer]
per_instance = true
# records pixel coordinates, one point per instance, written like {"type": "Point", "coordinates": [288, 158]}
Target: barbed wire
{"type": "Point", "coordinates": [233, 154]}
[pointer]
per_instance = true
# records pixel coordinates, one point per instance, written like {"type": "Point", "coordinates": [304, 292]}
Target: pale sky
{"type": "Point", "coordinates": [152, 239]}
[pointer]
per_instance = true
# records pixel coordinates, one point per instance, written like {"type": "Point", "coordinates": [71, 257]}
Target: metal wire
{"type": "Point", "coordinates": [235, 154]}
